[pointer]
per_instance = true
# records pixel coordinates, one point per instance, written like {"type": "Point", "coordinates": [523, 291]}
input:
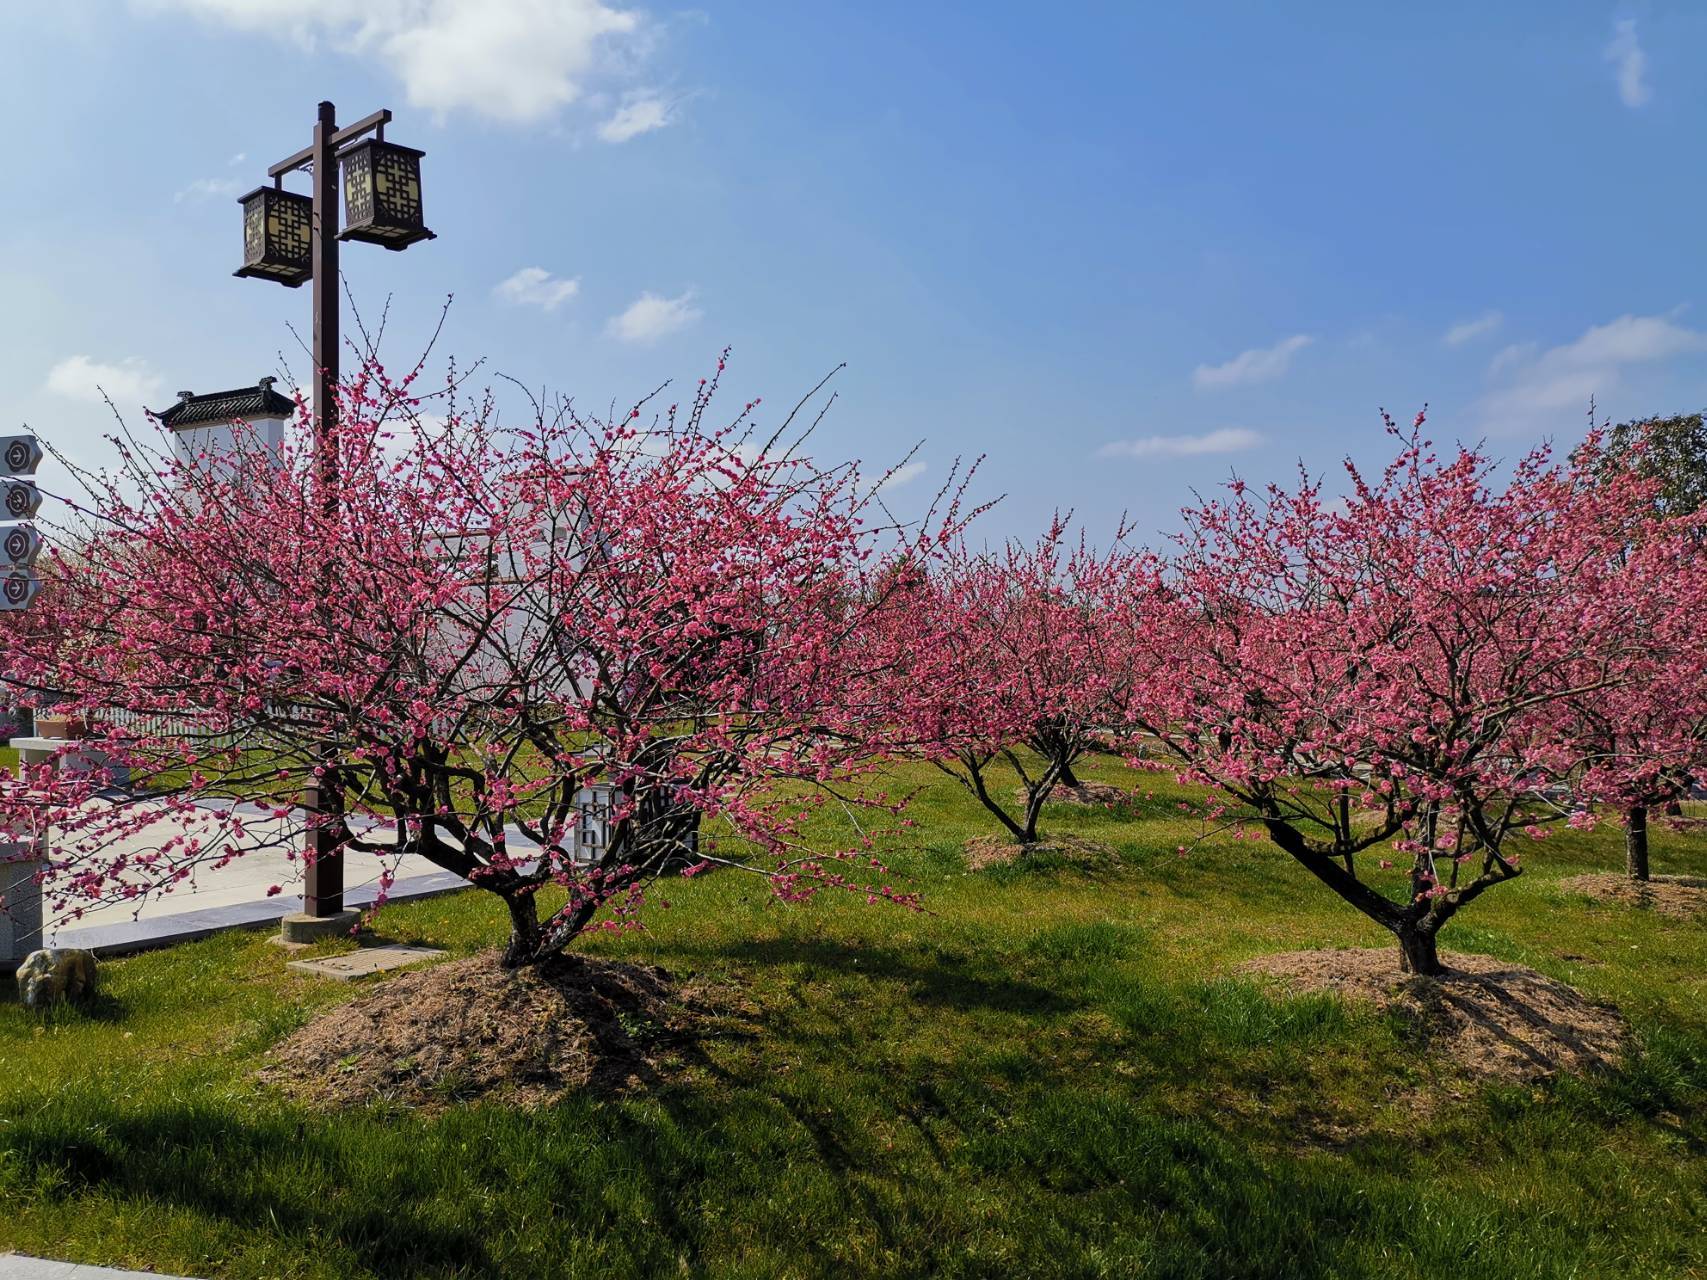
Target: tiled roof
{"type": "Point", "coordinates": [258, 401]}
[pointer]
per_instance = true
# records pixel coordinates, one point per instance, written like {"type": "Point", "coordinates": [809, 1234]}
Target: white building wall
{"type": "Point", "coordinates": [221, 439]}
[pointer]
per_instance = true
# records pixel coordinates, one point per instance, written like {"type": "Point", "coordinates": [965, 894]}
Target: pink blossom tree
{"type": "Point", "coordinates": [1382, 679]}
{"type": "Point", "coordinates": [1019, 648]}
{"type": "Point", "coordinates": [1644, 751]}
{"type": "Point", "coordinates": [474, 626]}
{"type": "Point", "coordinates": [1643, 740]}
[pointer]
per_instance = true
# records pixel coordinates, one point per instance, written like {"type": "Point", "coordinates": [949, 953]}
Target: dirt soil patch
{"type": "Point", "coordinates": [1491, 1019]}
{"type": "Point", "coordinates": [1679, 896]}
{"type": "Point", "coordinates": [1092, 795]}
{"type": "Point", "coordinates": [469, 1028]}
{"type": "Point", "coordinates": [984, 852]}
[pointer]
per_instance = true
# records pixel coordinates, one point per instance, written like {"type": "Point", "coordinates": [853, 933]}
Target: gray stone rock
{"type": "Point", "coordinates": [56, 973]}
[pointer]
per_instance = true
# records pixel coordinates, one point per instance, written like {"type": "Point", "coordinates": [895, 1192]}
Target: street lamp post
{"type": "Point", "coordinates": [291, 239]}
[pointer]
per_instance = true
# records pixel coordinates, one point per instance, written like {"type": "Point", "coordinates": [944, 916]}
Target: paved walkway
{"type": "Point", "coordinates": [15, 1266]}
{"type": "Point", "coordinates": [235, 895]}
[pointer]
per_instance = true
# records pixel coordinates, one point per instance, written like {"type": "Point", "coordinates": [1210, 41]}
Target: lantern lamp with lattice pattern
{"type": "Point", "coordinates": [277, 236]}
{"type": "Point", "coordinates": [382, 194]}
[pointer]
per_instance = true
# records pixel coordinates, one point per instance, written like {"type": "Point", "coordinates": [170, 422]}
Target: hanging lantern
{"type": "Point", "coordinates": [382, 194]}
{"type": "Point", "coordinates": [277, 236]}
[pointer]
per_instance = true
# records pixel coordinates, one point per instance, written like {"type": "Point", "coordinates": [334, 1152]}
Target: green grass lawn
{"type": "Point", "coordinates": [1050, 1073]}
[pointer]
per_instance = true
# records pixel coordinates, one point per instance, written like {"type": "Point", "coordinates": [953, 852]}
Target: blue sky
{"type": "Point", "coordinates": [1120, 249]}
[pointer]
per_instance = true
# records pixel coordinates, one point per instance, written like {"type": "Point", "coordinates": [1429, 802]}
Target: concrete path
{"type": "Point", "coordinates": [15, 1266]}
{"type": "Point", "coordinates": [236, 895]}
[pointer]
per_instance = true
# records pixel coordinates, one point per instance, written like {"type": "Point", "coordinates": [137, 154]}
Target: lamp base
{"type": "Point", "coordinates": [301, 927]}
{"type": "Point", "coordinates": [395, 243]}
{"type": "Point", "coordinates": [260, 273]}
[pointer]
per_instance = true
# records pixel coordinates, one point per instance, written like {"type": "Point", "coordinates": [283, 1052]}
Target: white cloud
{"type": "Point", "coordinates": [1256, 365]}
{"type": "Point", "coordinates": [1629, 64]}
{"type": "Point", "coordinates": [518, 61]}
{"type": "Point", "coordinates": [1516, 354]}
{"type": "Point", "coordinates": [651, 317]}
{"type": "Point", "coordinates": [209, 189]}
{"type": "Point", "coordinates": [1540, 385]}
{"type": "Point", "coordinates": [1470, 330]}
{"type": "Point", "coordinates": [641, 115]}
{"type": "Point", "coordinates": [239, 158]}
{"type": "Point", "coordinates": [537, 287]}
{"type": "Point", "coordinates": [1630, 340]}
{"type": "Point", "coordinates": [1226, 440]}
{"type": "Point", "coordinates": [906, 473]}
{"type": "Point", "coordinates": [130, 382]}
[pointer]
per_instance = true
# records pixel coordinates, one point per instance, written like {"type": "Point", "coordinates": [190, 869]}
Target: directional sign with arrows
{"type": "Point", "coordinates": [20, 544]}
{"type": "Point", "coordinates": [20, 454]}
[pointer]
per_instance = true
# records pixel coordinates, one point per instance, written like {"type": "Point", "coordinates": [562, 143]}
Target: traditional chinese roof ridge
{"type": "Point", "coordinates": [245, 403]}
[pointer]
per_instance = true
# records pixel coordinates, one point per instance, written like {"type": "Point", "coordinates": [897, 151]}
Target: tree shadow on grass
{"type": "Point", "coordinates": [770, 1158]}
{"type": "Point", "coordinates": [585, 1188]}
{"type": "Point", "coordinates": [703, 1175]}
{"type": "Point", "coordinates": [208, 1160]}
{"type": "Point", "coordinates": [934, 982]}
{"type": "Point", "coordinates": [649, 1190]}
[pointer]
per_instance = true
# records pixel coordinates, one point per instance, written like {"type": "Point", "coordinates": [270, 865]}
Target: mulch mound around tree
{"type": "Point", "coordinates": [1092, 795]}
{"type": "Point", "coordinates": [984, 852]}
{"type": "Point", "coordinates": [1678, 896]}
{"type": "Point", "coordinates": [1491, 1019]}
{"type": "Point", "coordinates": [469, 1028]}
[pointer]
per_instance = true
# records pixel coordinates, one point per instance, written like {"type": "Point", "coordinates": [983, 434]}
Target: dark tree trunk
{"type": "Point", "coordinates": [973, 780]}
{"type": "Point", "coordinates": [1331, 872]}
{"type": "Point", "coordinates": [1418, 952]}
{"type": "Point", "coordinates": [1636, 842]}
{"type": "Point", "coordinates": [1415, 928]}
{"type": "Point", "coordinates": [664, 836]}
{"type": "Point", "coordinates": [523, 948]}
{"type": "Point", "coordinates": [1068, 777]}
{"type": "Point", "coordinates": [1033, 809]}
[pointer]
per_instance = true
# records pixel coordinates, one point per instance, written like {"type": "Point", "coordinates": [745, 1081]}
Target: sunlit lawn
{"type": "Point", "coordinates": [1049, 1073]}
